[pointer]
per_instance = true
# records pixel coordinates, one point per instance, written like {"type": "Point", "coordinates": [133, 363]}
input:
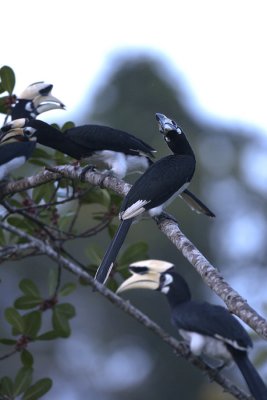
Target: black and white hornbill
{"type": "Point", "coordinates": [121, 151]}
{"type": "Point", "coordinates": [34, 100]}
{"type": "Point", "coordinates": [209, 329]}
{"type": "Point", "coordinates": [166, 124]}
{"type": "Point", "coordinates": [15, 149]}
{"type": "Point", "coordinates": [164, 180]}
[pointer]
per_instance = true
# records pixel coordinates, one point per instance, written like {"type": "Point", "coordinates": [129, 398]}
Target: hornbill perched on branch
{"type": "Point", "coordinates": [209, 329]}
{"type": "Point", "coordinates": [34, 100]}
{"type": "Point", "coordinates": [15, 149]}
{"type": "Point", "coordinates": [164, 180]}
{"type": "Point", "coordinates": [121, 151]}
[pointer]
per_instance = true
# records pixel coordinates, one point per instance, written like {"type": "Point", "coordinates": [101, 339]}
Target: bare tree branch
{"type": "Point", "coordinates": [235, 303]}
{"type": "Point", "coordinates": [180, 349]}
{"type": "Point", "coordinates": [210, 275]}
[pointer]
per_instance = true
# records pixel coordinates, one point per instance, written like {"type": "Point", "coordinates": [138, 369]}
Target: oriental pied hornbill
{"type": "Point", "coordinates": [164, 180]}
{"type": "Point", "coordinates": [121, 151]}
{"type": "Point", "coordinates": [209, 329]}
{"type": "Point", "coordinates": [15, 149]}
{"type": "Point", "coordinates": [34, 100]}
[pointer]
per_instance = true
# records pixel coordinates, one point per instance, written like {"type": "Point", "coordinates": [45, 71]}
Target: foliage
{"type": "Point", "coordinates": [50, 212]}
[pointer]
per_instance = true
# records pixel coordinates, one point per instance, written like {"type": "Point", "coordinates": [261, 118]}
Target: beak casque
{"type": "Point", "coordinates": [12, 129]}
{"type": "Point", "coordinates": [46, 103]}
{"type": "Point", "coordinates": [15, 133]}
{"type": "Point", "coordinates": [145, 275]}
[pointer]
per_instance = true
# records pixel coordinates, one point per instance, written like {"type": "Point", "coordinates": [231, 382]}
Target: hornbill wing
{"type": "Point", "coordinates": [158, 184]}
{"type": "Point", "coordinates": [8, 151]}
{"type": "Point", "coordinates": [255, 383]}
{"type": "Point", "coordinates": [211, 320]}
{"type": "Point", "coordinates": [195, 204]}
{"type": "Point", "coordinates": [14, 155]}
{"type": "Point", "coordinates": [98, 137]}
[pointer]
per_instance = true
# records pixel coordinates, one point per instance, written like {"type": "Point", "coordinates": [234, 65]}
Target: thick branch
{"type": "Point", "coordinates": [180, 349]}
{"type": "Point", "coordinates": [235, 303]}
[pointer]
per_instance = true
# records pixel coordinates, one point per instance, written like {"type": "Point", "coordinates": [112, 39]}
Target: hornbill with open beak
{"type": "Point", "coordinates": [34, 100]}
{"type": "Point", "coordinates": [164, 180]}
{"type": "Point", "coordinates": [15, 149]}
{"type": "Point", "coordinates": [209, 329]}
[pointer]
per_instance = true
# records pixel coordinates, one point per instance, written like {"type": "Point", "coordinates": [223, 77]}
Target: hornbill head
{"type": "Point", "coordinates": [148, 274]}
{"type": "Point", "coordinates": [167, 125]}
{"type": "Point", "coordinates": [14, 130]}
{"type": "Point", "coordinates": [37, 99]}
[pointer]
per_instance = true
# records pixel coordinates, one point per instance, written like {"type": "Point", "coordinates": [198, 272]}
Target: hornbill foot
{"type": "Point", "coordinates": [105, 174]}
{"type": "Point", "coordinates": [165, 215]}
{"type": "Point", "coordinates": [90, 167]}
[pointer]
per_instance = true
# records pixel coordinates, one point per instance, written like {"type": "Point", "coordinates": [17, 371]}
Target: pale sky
{"type": "Point", "coordinates": [218, 46]}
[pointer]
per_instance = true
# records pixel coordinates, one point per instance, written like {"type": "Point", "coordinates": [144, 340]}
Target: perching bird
{"type": "Point", "coordinates": [121, 151]}
{"type": "Point", "coordinates": [15, 149]}
{"type": "Point", "coordinates": [163, 181]}
{"type": "Point", "coordinates": [209, 329]}
{"type": "Point", "coordinates": [164, 124]}
{"type": "Point", "coordinates": [34, 100]}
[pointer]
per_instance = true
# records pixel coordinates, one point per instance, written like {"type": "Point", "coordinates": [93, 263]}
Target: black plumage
{"type": "Point", "coordinates": [121, 151]}
{"type": "Point", "coordinates": [209, 329]}
{"type": "Point", "coordinates": [164, 180]}
{"type": "Point", "coordinates": [14, 153]}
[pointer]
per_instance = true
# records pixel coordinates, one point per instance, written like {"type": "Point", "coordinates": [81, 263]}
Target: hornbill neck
{"type": "Point", "coordinates": [178, 144]}
{"type": "Point", "coordinates": [178, 290]}
{"type": "Point", "coordinates": [19, 110]}
{"type": "Point", "coordinates": [46, 134]}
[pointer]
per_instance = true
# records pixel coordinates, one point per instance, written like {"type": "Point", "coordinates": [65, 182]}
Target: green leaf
{"type": "Point", "coordinates": [66, 309]}
{"type": "Point", "coordinates": [26, 358]}
{"type": "Point", "coordinates": [50, 335]}
{"type": "Point", "coordinates": [14, 319]}
{"type": "Point", "coordinates": [60, 324]}
{"type": "Point", "coordinates": [4, 104]}
{"type": "Point", "coordinates": [95, 253]}
{"type": "Point", "coordinates": [67, 289]}
{"type": "Point", "coordinates": [37, 390]}
{"type": "Point", "coordinates": [67, 125]}
{"type": "Point", "coordinates": [8, 79]}
{"type": "Point", "coordinates": [23, 380]}
{"type": "Point", "coordinates": [136, 251]}
{"type": "Point", "coordinates": [28, 287]}
{"type": "Point", "coordinates": [6, 387]}
{"type": "Point", "coordinates": [41, 153]}
{"type": "Point", "coordinates": [32, 324]}
{"type": "Point", "coordinates": [52, 281]}
{"type": "Point", "coordinates": [8, 342]}
{"type": "Point", "coordinates": [97, 196]}
{"type": "Point", "coordinates": [60, 319]}
{"type": "Point", "coordinates": [27, 302]}
{"type": "Point", "coordinates": [43, 192]}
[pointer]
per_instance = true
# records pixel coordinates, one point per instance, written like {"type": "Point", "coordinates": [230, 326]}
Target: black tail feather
{"type": "Point", "coordinates": [195, 204]}
{"type": "Point", "coordinates": [110, 256]}
{"type": "Point", "coordinates": [256, 385]}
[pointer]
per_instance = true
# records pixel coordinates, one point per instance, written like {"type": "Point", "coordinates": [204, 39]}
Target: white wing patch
{"type": "Point", "coordinates": [232, 343]}
{"type": "Point", "coordinates": [10, 165]}
{"type": "Point", "coordinates": [134, 210]}
{"type": "Point", "coordinates": [213, 347]}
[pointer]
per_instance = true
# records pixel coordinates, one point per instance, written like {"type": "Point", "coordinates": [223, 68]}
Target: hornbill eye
{"type": "Point", "coordinates": [29, 131]}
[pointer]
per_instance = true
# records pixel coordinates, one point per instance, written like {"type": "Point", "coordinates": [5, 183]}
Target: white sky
{"type": "Point", "coordinates": [218, 46]}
